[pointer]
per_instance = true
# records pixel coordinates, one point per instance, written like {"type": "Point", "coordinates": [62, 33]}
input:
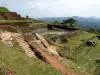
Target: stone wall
{"type": "Point", "coordinates": [61, 27]}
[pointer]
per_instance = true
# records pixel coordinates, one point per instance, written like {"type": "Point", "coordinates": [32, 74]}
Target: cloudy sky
{"type": "Point", "coordinates": [54, 8]}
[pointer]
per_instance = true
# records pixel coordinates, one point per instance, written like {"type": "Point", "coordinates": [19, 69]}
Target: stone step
{"type": "Point", "coordinates": [25, 46]}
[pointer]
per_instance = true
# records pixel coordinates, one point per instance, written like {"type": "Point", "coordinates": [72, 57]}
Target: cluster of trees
{"type": "Point", "coordinates": [71, 22]}
{"type": "Point", "coordinates": [95, 31]}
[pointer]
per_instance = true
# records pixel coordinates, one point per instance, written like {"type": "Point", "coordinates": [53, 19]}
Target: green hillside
{"type": "Point", "coordinates": [4, 9]}
{"type": "Point", "coordinates": [71, 45]}
{"type": "Point", "coordinates": [80, 57]}
{"type": "Point", "coordinates": [16, 60]}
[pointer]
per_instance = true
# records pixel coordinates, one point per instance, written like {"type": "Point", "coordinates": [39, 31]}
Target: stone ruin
{"type": "Point", "coordinates": [6, 38]}
{"type": "Point", "coordinates": [91, 43]}
{"type": "Point", "coordinates": [10, 15]}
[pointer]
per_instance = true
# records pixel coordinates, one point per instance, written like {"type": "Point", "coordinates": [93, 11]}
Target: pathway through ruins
{"type": "Point", "coordinates": [55, 62]}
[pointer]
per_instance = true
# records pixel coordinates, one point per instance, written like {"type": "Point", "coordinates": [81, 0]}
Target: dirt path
{"type": "Point", "coordinates": [55, 63]}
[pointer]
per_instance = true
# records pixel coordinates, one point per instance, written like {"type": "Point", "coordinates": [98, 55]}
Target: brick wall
{"type": "Point", "coordinates": [11, 15]}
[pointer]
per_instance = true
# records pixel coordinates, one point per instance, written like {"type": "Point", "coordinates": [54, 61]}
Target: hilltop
{"type": "Point", "coordinates": [88, 22]}
{"type": "Point", "coordinates": [4, 9]}
{"type": "Point", "coordinates": [34, 47]}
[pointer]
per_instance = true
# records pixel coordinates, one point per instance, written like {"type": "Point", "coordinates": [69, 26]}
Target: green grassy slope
{"type": "Point", "coordinates": [86, 57]}
{"type": "Point", "coordinates": [2, 73]}
{"type": "Point", "coordinates": [40, 24]}
{"type": "Point", "coordinates": [4, 9]}
{"type": "Point", "coordinates": [12, 21]}
{"type": "Point", "coordinates": [83, 56]}
{"type": "Point", "coordinates": [76, 61]}
{"type": "Point", "coordinates": [22, 65]}
{"type": "Point", "coordinates": [76, 41]}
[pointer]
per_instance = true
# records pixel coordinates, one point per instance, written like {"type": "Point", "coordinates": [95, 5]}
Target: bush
{"type": "Point", "coordinates": [52, 37]}
{"type": "Point", "coordinates": [63, 51]}
{"type": "Point", "coordinates": [63, 39]}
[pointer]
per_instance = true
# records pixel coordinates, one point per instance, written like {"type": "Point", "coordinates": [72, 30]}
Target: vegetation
{"type": "Point", "coordinates": [56, 22]}
{"type": "Point", "coordinates": [57, 38]}
{"type": "Point", "coordinates": [27, 16]}
{"type": "Point", "coordinates": [81, 54]}
{"type": "Point", "coordinates": [2, 68]}
{"type": "Point", "coordinates": [70, 21]}
{"type": "Point", "coordinates": [11, 21]}
{"type": "Point", "coordinates": [22, 65]}
{"type": "Point", "coordinates": [38, 25]}
{"type": "Point", "coordinates": [95, 31]}
{"type": "Point", "coordinates": [72, 48]}
{"type": "Point", "coordinates": [86, 57]}
{"type": "Point", "coordinates": [3, 9]}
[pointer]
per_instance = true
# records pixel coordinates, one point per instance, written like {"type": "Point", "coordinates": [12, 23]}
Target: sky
{"type": "Point", "coordinates": [53, 8]}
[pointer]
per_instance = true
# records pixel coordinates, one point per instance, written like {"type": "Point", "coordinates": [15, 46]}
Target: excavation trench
{"type": "Point", "coordinates": [42, 54]}
{"type": "Point", "coordinates": [53, 61]}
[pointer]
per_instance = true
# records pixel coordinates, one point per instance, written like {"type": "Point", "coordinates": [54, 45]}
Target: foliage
{"type": "Point", "coordinates": [3, 9]}
{"type": "Point", "coordinates": [56, 22]}
{"type": "Point", "coordinates": [27, 16]}
{"type": "Point", "coordinates": [23, 65]}
{"type": "Point", "coordinates": [63, 39]}
{"type": "Point", "coordinates": [80, 54]}
{"type": "Point", "coordinates": [70, 21]}
{"type": "Point", "coordinates": [96, 31]}
{"type": "Point", "coordinates": [63, 51]}
{"type": "Point", "coordinates": [52, 37]}
{"type": "Point", "coordinates": [97, 71]}
{"type": "Point", "coordinates": [2, 68]}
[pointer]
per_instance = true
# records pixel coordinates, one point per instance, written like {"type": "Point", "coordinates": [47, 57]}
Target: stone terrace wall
{"type": "Point", "coordinates": [61, 27]}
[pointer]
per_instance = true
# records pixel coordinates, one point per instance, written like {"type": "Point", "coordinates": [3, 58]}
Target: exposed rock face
{"type": "Point", "coordinates": [45, 43]}
{"type": "Point", "coordinates": [48, 47]}
{"type": "Point", "coordinates": [53, 49]}
{"type": "Point", "coordinates": [6, 38]}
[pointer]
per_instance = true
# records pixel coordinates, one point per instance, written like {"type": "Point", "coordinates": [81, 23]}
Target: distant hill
{"type": "Point", "coordinates": [4, 9]}
{"type": "Point", "coordinates": [90, 22]}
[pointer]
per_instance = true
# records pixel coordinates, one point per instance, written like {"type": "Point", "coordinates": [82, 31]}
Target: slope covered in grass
{"type": "Point", "coordinates": [12, 21]}
{"type": "Point", "coordinates": [76, 41]}
{"type": "Point", "coordinates": [86, 57]}
{"type": "Point", "coordinates": [82, 55]}
{"type": "Point", "coordinates": [4, 9]}
{"type": "Point", "coordinates": [38, 25]}
{"type": "Point", "coordinates": [16, 60]}
{"type": "Point", "coordinates": [76, 53]}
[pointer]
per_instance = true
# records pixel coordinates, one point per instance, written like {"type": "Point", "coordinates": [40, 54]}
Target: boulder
{"type": "Point", "coordinates": [91, 43]}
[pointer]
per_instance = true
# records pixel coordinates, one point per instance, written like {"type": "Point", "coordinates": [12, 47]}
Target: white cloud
{"type": "Point", "coordinates": [50, 8]}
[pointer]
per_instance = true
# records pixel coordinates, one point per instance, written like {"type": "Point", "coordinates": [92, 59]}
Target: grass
{"type": "Point", "coordinates": [40, 24]}
{"type": "Point", "coordinates": [78, 65]}
{"type": "Point", "coordinates": [2, 73]}
{"type": "Point", "coordinates": [75, 41]}
{"type": "Point", "coordinates": [3, 9]}
{"type": "Point", "coordinates": [79, 70]}
{"type": "Point", "coordinates": [82, 58]}
{"type": "Point", "coordinates": [11, 21]}
{"type": "Point", "coordinates": [22, 65]}
{"type": "Point", "coordinates": [86, 57]}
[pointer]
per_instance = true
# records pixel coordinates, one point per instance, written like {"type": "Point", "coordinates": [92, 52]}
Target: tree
{"type": "Point", "coordinates": [70, 21]}
{"type": "Point", "coordinates": [56, 22]}
{"type": "Point", "coordinates": [27, 16]}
